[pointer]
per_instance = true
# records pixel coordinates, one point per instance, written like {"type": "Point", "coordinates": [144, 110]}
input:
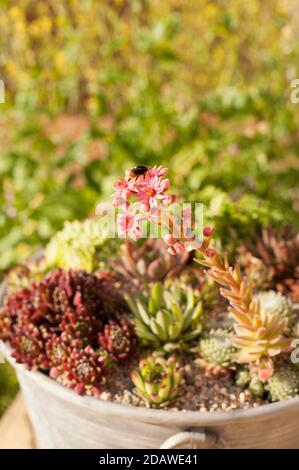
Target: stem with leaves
{"type": "Point", "coordinates": [259, 336]}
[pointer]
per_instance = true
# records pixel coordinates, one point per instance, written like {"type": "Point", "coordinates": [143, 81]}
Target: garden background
{"type": "Point", "coordinates": [94, 87]}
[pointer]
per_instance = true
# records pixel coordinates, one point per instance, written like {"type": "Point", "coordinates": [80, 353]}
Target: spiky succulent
{"type": "Point", "coordinates": [149, 262]}
{"type": "Point", "coordinates": [259, 335]}
{"type": "Point", "coordinates": [157, 380]}
{"type": "Point", "coordinates": [271, 260]}
{"type": "Point", "coordinates": [168, 317]}
{"type": "Point", "coordinates": [284, 384]}
{"type": "Point", "coordinates": [117, 339]}
{"type": "Point", "coordinates": [76, 246]}
{"type": "Point", "coordinates": [29, 318]}
{"type": "Point", "coordinates": [217, 348]}
{"type": "Point", "coordinates": [28, 345]}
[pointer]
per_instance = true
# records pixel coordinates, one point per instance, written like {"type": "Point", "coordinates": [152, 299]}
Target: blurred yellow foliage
{"type": "Point", "coordinates": [63, 53]}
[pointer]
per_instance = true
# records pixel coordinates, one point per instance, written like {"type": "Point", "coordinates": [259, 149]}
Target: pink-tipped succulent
{"type": "Point", "coordinates": [82, 371]}
{"type": "Point", "coordinates": [117, 339]}
{"type": "Point", "coordinates": [53, 321]}
{"type": "Point", "coordinates": [27, 319]}
{"type": "Point", "coordinates": [80, 298]}
{"type": "Point", "coordinates": [28, 345]}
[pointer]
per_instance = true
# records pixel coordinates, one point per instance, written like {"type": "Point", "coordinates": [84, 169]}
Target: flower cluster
{"type": "Point", "coordinates": [54, 325]}
{"type": "Point", "coordinates": [149, 188]}
{"type": "Point", "coordinates": [145, 198]}
{"type": "Point", "coordinates": [139, 198]}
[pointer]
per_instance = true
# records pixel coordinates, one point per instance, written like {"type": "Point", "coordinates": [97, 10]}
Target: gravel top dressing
{"type": "Point", "coordinates": [197, 393]}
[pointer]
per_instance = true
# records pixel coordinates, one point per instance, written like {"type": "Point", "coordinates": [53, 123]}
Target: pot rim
{"type": "Point", "coordinates": [178, 417]}
{"type": "Point", "coordinates": [153, 415]}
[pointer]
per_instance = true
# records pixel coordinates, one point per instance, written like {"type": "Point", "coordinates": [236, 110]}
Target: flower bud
{"type": "Point", "coordinates": [210, 252]}
{"type": "Point", "coordinates": [169, 239]}
{"type": "Point", "coordinates": [208, 231]}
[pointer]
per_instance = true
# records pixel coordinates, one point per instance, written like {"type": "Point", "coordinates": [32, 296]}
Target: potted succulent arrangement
{"type": "Point", "coordinates": [130, 344]}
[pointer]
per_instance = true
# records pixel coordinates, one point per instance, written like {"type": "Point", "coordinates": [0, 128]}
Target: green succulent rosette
{"type": "Point", "coordinates": [167, 317]}
{"type": "Point", "coordinates": [157, 380]}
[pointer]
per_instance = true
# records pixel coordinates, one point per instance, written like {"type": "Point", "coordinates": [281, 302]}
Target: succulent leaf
{"type": "Point", "coordinates": [117, 339]}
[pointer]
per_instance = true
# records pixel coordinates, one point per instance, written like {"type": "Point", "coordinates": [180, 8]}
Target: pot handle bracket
{"type": "Point", "coordinates": [191, 439]}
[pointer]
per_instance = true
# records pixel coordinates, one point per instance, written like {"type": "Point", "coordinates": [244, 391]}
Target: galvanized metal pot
{"type": "Point", "coordinates": [62, 419]}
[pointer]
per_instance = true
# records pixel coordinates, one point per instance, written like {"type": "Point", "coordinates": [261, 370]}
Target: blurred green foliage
{"type": "Point", "coordinates": [8, 386]}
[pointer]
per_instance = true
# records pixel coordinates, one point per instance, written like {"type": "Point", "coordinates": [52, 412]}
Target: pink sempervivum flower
{"type": "Point", "coordinates": [123, 191]}
{"type": "Point", "coordinates": [129, 225]}
{"type": "Point", "coordinates": [180, 245]}
{"type": "Point", "coordinates": [157, 171]}
{"type": "Point", "coordinates": [151, 191]}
